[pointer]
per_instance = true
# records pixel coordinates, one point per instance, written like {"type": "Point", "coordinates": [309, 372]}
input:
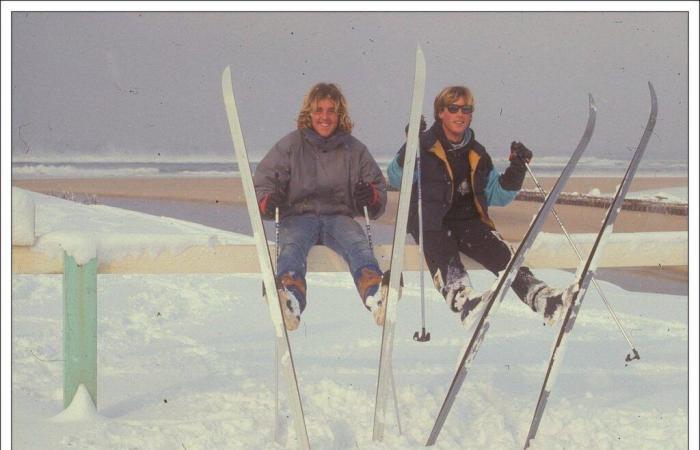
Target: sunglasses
{"type": "Point", "coordinates": [466, 109]}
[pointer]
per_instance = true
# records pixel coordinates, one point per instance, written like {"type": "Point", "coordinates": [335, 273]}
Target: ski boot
{"type": "Point", "coordinates": [554, 302]}
{"type": "Point", "coordinates": [472, 307]}
{"type": "Point", "coordinates": [378, 305]}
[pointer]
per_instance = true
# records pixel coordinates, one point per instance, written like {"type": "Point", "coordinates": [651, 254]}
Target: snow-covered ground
{"type": "Point", "coordinates": [673, 194]}
{"type": "Point", "coordinates": [186, 361]}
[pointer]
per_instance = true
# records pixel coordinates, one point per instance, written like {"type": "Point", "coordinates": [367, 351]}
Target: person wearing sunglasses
{"type": "Point", "coordinates": [458, 185]}
{"type": "Point", "coordinates": [319, 177]}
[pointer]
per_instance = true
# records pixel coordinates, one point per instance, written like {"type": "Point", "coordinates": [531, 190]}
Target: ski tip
{"type": "Point", "coordinates": [420, 57]}
{"type": "Point", "coordinates": [226, 76]}
{"type": "Point", "coordinates": [652, 92]}
{"type": "Point", "coordinates": [591, 102]}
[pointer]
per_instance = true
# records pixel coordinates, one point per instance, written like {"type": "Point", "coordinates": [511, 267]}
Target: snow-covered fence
{"type": "Point", "coordinates": [550, 251]}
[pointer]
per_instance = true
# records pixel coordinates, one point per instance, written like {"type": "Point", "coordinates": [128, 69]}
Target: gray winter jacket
{"type": "Point", "coordinates": [318, 175]}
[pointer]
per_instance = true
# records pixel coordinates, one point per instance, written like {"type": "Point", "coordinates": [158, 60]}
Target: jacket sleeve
{"type": "Point", "coordinates": [370, 172]}
{"type": "Point", "coordinates": [395, 169]}
{"type": "Point", "coordinates": [496, 194]}
{"type": "Point", "coordinates": [272, 171]}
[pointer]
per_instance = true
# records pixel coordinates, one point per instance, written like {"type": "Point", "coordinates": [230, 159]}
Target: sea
{"type": "Point", "coordinates": [544, 166]}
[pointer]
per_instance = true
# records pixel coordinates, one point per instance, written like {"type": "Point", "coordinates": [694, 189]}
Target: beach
{"type": "Point", "coordinates": [512, 221]}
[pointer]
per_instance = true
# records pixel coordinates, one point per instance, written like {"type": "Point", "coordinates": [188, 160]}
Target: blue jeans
{"type": "Point", "coordinates": [337, 232]}
{"type": "Point", "coordinates": [342, 234]}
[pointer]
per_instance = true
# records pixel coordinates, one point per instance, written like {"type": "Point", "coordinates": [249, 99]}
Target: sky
{"type": "Point", "coordinates": [148, 84]}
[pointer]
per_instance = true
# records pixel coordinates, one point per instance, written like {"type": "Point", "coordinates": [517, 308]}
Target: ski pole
{"type": "Point", "coordinates": [421, 336]}
{"type": "Point", "coordinates": [635, 353]}
{"type": "Point", "coordinates": [277, 257]}
{"type": "Point", "coordinates": [277, 378]}
{"type": "Point", "coordinates": [369, 230]}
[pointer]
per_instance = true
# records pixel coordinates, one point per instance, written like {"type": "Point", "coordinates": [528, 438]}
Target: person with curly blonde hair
{"type": "Point", "coordinates": [319, 177]}
{"type": "Point", "coordinates": [319, 92]}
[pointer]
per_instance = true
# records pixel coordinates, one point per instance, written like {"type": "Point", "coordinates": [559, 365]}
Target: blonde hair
{"type": "Point", "coordinates": [450, 95]}
{"type": "Point", "coordinates": [318, 93]}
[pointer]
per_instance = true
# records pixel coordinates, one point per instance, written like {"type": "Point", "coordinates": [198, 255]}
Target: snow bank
{"type": "Point", "coordinates": [201, 348]}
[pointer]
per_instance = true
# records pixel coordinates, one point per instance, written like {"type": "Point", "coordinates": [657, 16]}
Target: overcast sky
{"type": "Point", "coordinates": [125, 84]}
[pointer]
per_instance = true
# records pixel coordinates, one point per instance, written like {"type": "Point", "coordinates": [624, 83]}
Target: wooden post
{"type": "Point", "coordinates": [79, 328]}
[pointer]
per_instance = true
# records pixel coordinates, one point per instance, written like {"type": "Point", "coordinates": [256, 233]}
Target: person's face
{"type": "Point", "coordinates": [324, 119]}
{"type": "Point", "coordinates": [455, 123]}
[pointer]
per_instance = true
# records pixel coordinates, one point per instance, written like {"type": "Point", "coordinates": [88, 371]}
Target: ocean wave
{"type": "Point", "coordinates": [544, 166]}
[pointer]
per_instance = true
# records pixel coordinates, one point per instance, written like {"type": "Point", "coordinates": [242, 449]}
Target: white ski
{"type": "Point", "coordinates": [385, 376]}
{"type": "Point", "coordinates": [268, 275]}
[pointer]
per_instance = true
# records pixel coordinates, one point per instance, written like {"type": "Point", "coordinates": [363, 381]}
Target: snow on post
{"type": "Point", "coordinates": [22, 217]}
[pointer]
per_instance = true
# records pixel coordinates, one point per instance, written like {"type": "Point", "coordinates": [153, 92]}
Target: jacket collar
{"type": "Point", "coordinates": [439, 133]}
{"type": "Point", "coordinates": [335, 140]}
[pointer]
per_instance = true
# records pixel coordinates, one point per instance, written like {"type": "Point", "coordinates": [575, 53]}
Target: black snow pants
{"type": "Point", "coordinates": [479, 242]}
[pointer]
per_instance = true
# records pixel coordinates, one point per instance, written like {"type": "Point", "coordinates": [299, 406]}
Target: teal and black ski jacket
{"type": "Point", "coordinates": [489, 188]}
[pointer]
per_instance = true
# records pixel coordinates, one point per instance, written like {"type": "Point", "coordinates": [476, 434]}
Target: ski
{"type": "Point", "coordinates": [285, 356]}
{"type": "Point", "coordinates": [385, 376]}
{"type": "Point", "coordinates": [586, 271]}
{"type": "Point", "coordinates": [495, 296]}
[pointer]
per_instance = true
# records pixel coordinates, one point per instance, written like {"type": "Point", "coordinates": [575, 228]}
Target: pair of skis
{"type": "Point", "coordinates": [586, 271]}
{"type": "Point", "coordinates": [282, 340]}
{"type": "Point", "coordinates": [385, 380]}
{"type": "Point", "coordinates": [385, 373]}
{"type": "Point", "coordinates": [584, 274]}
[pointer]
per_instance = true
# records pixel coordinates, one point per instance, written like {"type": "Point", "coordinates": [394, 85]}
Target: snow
{"type": "Point", "coordinates": [674, 195]}
{"type": "Point", "coordinates": [87, 231]}
{"type": "Point", "coordinates": [185, 361]}
{"type": "Point", "coordinates": [22, 217]}
{"type": "Point", "coordinates": [653, 242]}
{"type": "Point", "coordinates": [668, 195]}
{"type": "Point", "coordinates": [80, 409]}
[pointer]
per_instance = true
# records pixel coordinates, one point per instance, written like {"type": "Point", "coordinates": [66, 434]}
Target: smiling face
{"type": "Point", "coordinates": [324, 117]}
{"type": "Point", "coordinates": [455, 124]}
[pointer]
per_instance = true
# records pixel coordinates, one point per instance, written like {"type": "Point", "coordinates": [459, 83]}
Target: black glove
{"type": "Point", "coordinates": [271, 201]}
{"type": "Point", "coordinates": [519, 154]}
{"type": "Point", "coordinates": [422, 126]}
{"type": "Point", "coordinates": [363, 195]}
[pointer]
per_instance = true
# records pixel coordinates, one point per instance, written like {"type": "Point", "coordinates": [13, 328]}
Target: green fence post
{"type": "Point", "coordinates": [79, 328]}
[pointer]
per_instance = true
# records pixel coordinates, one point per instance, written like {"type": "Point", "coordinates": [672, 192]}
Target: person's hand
{"type": "Point", "coordinates": [422, 126]}
{"type": "Point", "coordinates": [363, 195]}
{"type": "Point", "coordinates": [271, 201]}
{"type": "Point", "coordinates": [519, 154]}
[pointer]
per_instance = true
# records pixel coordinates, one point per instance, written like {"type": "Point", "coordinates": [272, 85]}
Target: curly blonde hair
{"type": "Point", "coordinates": [450, 95]}
{"type": "Point", "coordinates": [318, 93]}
